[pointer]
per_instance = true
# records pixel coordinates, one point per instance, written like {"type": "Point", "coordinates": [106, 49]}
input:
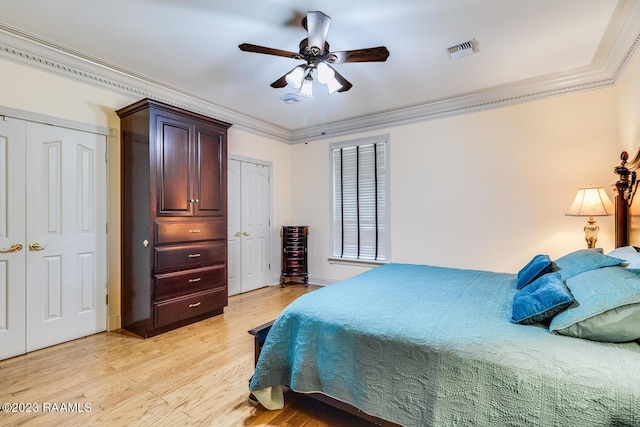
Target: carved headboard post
{"type": "Point", "coordinates": [622, 205]}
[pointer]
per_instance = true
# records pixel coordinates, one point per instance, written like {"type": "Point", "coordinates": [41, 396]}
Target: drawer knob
{"type": "Point", "coordinates": [194, 255]}
{"type": "Point", "coordinates": [194, 231]}
{"type": "Point", "coordinates": [197, 279]}
{"type": "Point", "coordinates": [145, 243]}
{"type": "Point", "coordinates": [195, 305]}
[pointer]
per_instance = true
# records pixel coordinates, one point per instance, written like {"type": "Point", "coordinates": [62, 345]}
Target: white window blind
{"type": "Point", "coordinates": [360, 210]}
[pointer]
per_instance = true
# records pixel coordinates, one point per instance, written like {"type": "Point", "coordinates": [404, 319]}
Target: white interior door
{"type": "Point", "coordinates": [256, 220]}
{"type": "Point", "coordinates": [66, 235]}
{"type": "Point", "coordinates": [249, 210]}
{"type": "Point", "coordinates": [12, 238]}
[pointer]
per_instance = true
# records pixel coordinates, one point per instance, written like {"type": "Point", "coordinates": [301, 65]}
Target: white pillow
{"type": "Point", "coordinates": [629, 255]}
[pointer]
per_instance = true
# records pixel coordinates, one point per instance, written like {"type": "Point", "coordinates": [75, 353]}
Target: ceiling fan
{"type": "Point", "coordinates": [314, 50]}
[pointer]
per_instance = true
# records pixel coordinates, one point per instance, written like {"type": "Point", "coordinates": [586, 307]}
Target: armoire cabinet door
{"type": "Point", "coordinates": [210, 180]}
{"type": "Point", "coordinates": [174, 164]}
{"type": "Point", "coordinates": [190, 164]}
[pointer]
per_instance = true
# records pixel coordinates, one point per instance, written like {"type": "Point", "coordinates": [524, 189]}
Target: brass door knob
{"type": "Point", "coordinates": [35, 246]}
{"type": "Point", "coordinates": [16, 247]}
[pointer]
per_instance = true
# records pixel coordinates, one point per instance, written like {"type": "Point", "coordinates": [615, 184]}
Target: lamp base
{"type": "Point", "coordinates": [591, 233]}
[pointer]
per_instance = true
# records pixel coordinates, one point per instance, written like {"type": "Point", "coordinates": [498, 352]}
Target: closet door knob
{"type": "Point", "coordinates": [16, 247]}
{"type": "Point", "coordinates": [35, 246]}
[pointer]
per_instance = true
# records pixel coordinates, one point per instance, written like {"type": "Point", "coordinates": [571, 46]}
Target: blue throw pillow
{"type": "Point", "coordinates": [539, 265]}
{"type": "Point", "coordinates": [543, 298]}
{"type": "Point", "coordinates": [607, 309]}
{"type": "Point", "coordinates": [583, 260]}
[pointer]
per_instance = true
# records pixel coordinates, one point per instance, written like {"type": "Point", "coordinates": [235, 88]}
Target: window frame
{"type": "Point", "coordinates": [377, 139]}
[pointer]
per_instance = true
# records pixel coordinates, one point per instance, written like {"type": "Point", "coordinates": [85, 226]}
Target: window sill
{"type": "Point", "coordinates": [357, 262]}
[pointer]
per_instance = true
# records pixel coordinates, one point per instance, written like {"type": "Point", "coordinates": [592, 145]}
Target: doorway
{"type": "Point", "coordinates": [53, 214]}
{"type": "Point", "coordinates": [249, 216]}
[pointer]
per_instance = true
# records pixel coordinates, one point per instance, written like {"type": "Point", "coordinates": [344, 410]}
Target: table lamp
{"type": "Point", "coordinates": [591, 202]}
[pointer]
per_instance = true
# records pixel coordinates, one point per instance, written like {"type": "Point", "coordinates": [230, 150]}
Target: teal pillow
{"type": "Point", "coordinates": [583, 260]}
{"type": "Point", "coordinates": [607, 309]}
{"type": "Point", "coordinates": [543, 298]}
{"type": "Point", "coordinates": [539, 265]}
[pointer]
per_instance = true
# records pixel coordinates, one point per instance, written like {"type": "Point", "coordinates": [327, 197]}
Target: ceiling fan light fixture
{"type": "Point", "coordinates": [294, 78]}
{"type": "Point", "coordinates": [315, 50]}
{"type": "Point", "coordinates": [333, 86]}
{"type": "Point", "coordinates": [325, 73]}
{"type": "Point", "coordinates": [307, 86]}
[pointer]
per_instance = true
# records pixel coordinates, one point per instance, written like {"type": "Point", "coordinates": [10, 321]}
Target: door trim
{"type": "Point", "coordinates": [56, 121]}
{"type": "Point", "coordinates": [275, 279]}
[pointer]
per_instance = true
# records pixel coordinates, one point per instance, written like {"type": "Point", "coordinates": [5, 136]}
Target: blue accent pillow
{"type": "Point", "coordinates": [539, 265]}
{"type": "Point", "coordinates": [543, 298]}
{"type": "Point", "coordinates": [607, 309]}
{"type": "Point", "coordinates": [583, 260]}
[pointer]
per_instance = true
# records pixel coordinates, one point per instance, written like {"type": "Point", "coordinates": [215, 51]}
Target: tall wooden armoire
{"type": "Point", "coordinates": [174, 217]}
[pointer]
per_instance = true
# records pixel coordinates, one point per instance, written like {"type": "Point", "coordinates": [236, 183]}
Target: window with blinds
{"type": "Point", "coordinates": [360, 208]}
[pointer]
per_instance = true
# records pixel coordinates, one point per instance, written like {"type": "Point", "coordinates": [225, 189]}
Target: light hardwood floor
{"type": "Point", "coordinates": [195, 375]}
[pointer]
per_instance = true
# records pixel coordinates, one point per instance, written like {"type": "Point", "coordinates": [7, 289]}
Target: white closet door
{"type": "Point", "coordinates": [66, 235]}
{"type": "Point", "coordinates": [256, 211]}
{"type": "Point", "coordinates": [249, 216]}
{"type": "Point", "coordinates": [12, 234]}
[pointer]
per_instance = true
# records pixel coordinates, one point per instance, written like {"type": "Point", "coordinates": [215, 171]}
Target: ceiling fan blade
{"type": "Point", "coordinates": [281, 82]}
{"type": "Point", "coordinates": [317, 26]}
{"type": "Point", "coordinates": [346, 85]}
{"type": "Point", "coordinates": [246, 47]}
{"type": "Point", "coordinates": [372, 54]}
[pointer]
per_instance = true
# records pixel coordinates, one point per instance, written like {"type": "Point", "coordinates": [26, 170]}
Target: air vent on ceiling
{"type": "Point", "coordinates": [290, 98]}
{"type": "Point", "coordinates": [463, 49]}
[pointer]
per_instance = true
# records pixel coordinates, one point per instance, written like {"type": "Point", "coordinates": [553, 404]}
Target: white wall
{"type": "Point", "coordinates": [485, 190]}
{"type": "Point", "coordinates": [628, 93]}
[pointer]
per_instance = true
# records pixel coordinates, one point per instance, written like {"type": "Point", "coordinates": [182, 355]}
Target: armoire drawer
{"type": "Point", "coordinates": [170, 285]}
{"type": "Point", "coordinates": [177, 309]}
{"type": "Point", "coordinates": [185, 257]}
{"type": "Point", "coordinates": [169, 232]}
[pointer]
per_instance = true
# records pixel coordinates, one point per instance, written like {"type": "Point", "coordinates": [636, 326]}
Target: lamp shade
{"type": "Point", "coordinates": [591, 202]}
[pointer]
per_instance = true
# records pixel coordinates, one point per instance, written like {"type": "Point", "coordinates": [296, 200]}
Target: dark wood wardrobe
{"type": "Point", "coordinates": [174, 217]}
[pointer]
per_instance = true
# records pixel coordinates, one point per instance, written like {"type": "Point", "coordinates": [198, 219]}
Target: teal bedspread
{"type": "Point", "coordinates": [431, 346]}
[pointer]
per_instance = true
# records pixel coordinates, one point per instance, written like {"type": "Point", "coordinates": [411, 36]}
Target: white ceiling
{"type": "Point", "coordinates": [186, 52]}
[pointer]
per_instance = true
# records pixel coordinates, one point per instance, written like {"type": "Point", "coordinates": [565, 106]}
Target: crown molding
{"type": "Point", "coordinates": [29, 50]}
{"type": "Point", "coordinates": [617, 48]}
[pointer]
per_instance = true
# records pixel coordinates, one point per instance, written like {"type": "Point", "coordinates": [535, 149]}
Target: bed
{"type": "Point", "coordinates": [419, 345]}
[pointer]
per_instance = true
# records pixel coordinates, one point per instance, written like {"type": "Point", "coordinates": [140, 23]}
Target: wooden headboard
{"type": "Point", "coordinates": [625, 189]}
